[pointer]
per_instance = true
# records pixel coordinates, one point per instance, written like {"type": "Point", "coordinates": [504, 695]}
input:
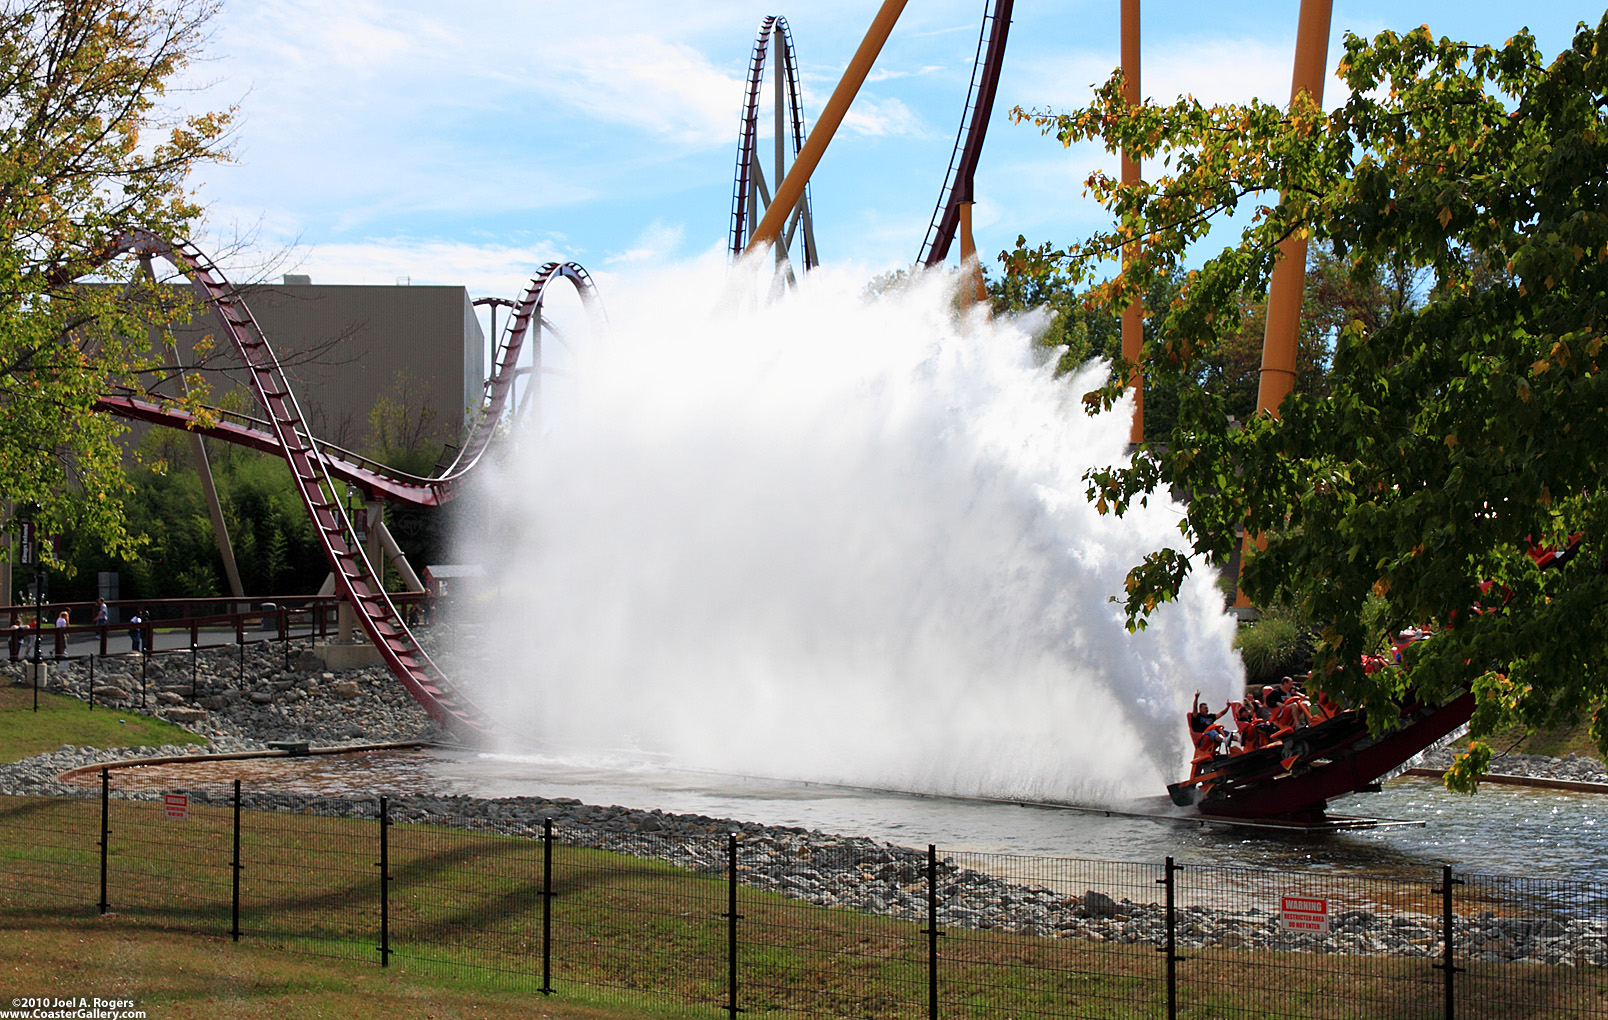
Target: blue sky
{"type": "Point", "coordinates": [466, 143]}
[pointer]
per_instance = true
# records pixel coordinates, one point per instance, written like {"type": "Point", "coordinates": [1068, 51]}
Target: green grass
{"type": "Point", "coordinates": [630, 937]}
{"type": "Point", "coordinates": [1558, 743]}
{"type": "Point", "coordinates": [63, 720]}
{"type": "Point", "coordinates": [179, 975]}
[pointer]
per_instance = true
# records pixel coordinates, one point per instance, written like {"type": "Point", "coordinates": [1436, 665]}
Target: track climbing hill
{"type": "Point", "coordinates": [319, 469]}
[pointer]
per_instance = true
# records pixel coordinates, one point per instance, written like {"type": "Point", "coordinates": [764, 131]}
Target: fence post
{"type": "Point", "coordinates": [242, 675]}
{"type": "Point", "coordinates": [195, 666]}
{"type": "Point", "coordinates": [547, 906]}
{"type": "Point", "coordinates": [103, 629]}
{"type": "Point", "coordinates": [284, 635]}
{"type": "Point", "coordinates": [732, 918]}
{"type": "Point", "coordinates": [91, 681]}
{"type": "Point", "coordinates": [385, 883]}
{"type": "Point", "coordinates": [106, 800]}
{"type": "Point", "coordinates": [145, 661]}
{"type": "Point", "coordinates": [1171, 948]}
{"type": "Point", "coordinates": [932, 932]}
{"type": "Point", "coordinates": [234, 927]}
{"type": "Point", "coordinates": [1448, 965]}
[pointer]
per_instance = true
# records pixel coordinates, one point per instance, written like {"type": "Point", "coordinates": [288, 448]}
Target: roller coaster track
{"type": "Point", "coordinates": [316, 466]}
{"type": "Point", "coordinates": [749, 179]}
{"type": "Point", "coordinates": [973, 128]}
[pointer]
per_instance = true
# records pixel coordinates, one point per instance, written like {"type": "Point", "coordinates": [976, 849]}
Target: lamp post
{"type": "Point", "coordinates": [30, 558]}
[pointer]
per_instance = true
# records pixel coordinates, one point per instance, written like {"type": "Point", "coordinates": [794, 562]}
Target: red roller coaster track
{"type": "Point", "coordinates": [316, 466]}
{"type": "Point", "coordinates": [973, 129]}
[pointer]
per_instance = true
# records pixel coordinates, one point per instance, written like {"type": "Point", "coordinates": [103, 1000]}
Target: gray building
{"type": "Point", "coordinates": [348, 347]}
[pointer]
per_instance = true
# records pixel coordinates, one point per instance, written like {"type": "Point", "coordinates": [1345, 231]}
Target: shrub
{"type": "Point", "coordinates": [1275, 645]}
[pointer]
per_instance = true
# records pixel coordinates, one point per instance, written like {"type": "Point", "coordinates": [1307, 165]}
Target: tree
{"type": "Point", "coordinates": [88, 151]}
{"type": "Point", "coordinates": [404, 431]}
{"type": "Point", "coordinates": [1457, 433]}
{"type": "Point", "coordinates": [275, 547]}
{"type": "Point", "coordinates": [1082, 328]}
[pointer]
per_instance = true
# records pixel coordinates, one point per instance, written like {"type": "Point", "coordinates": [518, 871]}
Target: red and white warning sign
{"type": "Point", "coordinates": [177, 805]}
{"type": "Point", "coordinates": [1305, 914]}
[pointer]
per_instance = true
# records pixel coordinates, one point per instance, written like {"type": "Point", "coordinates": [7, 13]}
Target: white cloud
{"type": "Point", "coordinates": [1213, 71]}
{"type": "Point", "coordinates": [493, 269]}
{"type": "Point", "coordinates": [667, 88]}
{"type": "Point", "coordinates": [870, 115]}
{"type": "Point", "coordinates": [888, 74]}
{"type": "Point", "coordinates": [658, 242]}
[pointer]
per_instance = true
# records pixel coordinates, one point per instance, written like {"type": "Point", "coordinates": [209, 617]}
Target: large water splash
{"type": "Point", "coordinates": [834, 538]}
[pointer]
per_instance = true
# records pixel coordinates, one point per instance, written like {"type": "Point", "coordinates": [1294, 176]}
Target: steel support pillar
{"type": "Point", "coordinates": [969, 263]}
{"type": "Point", "coordinates": [203, 466]}
{"type": "Point", "coordinates": [1280, 341]}
{"type": "Point", "coordinates": [1285, 290]}
{"type": "Point", "coordinates": [1133, 317]}
{"type": "Point", "coordinates": [393, 552]}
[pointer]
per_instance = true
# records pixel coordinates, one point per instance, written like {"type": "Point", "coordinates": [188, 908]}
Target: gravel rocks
{"type": "Point", "coordinates": [252, 697]}
{"type": "Point", "coordinates": [1572, 767]}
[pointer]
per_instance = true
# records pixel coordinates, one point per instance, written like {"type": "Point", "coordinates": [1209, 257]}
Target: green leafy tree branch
{"type": "Point", "coordinates": [89, 150]}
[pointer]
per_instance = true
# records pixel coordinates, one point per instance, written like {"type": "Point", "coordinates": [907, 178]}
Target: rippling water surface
{"type": "Point", "coordinates": [1510, 831]}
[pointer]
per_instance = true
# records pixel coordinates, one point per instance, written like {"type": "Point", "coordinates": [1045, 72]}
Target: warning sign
{"type": "Point", "coordinates": [178, 806]}
{"type": "Point", "coordinates": [1305, 914]}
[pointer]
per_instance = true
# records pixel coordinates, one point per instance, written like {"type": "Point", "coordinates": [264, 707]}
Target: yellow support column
{"type": "Point", "coordinates": [1133, 317]}
{"type": "Point", "coordinates": [1281, 340]}
{"type": "Point", "coordinates": [1289, 275]}
{"type": "Point", "coordinates": [968, 255]}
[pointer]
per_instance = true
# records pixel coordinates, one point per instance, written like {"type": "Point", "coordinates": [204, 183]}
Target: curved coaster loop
{"type": "Point", "coordinates": [527, 310]}
{"type": "Point", "coordinates": [749, 188]}
{"type": "Point", "coordinates": [315, 477]}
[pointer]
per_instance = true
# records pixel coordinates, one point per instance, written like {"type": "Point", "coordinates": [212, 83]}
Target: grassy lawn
{"type": "Point", "coordinates": [181, 975]}
{"type": "Point", "coordinates": [63, 720]}
{"type": "Point", "coordinates": [1557, 743]}
{"type": "Point", "coordinates": [629, 937]}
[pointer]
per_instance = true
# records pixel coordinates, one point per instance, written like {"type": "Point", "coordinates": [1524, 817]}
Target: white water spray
{"type": "Point", "coordinates": [839, 539]}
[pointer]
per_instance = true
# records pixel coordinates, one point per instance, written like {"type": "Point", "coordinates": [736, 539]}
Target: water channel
{"type": "Point", "coordinates": [1504, 830]}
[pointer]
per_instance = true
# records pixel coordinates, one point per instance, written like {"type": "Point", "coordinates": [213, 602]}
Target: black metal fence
{"type": "Point", "coordinates": [814, 925]}
{"type": "Point", "coordinates": [182, 625]}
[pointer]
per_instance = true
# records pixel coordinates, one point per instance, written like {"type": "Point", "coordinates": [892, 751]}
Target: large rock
{"type": "Point", "coordinates": [110, 694]}
{"type": "Point", "coordinates": [348, 689]}
{"type": "Point", "coordinates": [183, 715]}
{"type": "Point", "coordinates": [1098, 904]}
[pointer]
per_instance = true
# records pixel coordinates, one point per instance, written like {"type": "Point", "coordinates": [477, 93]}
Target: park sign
{"type": "Point", "coordinates": [1304, 914]}
{"type": "Point", "coordinates": [177, 806]}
